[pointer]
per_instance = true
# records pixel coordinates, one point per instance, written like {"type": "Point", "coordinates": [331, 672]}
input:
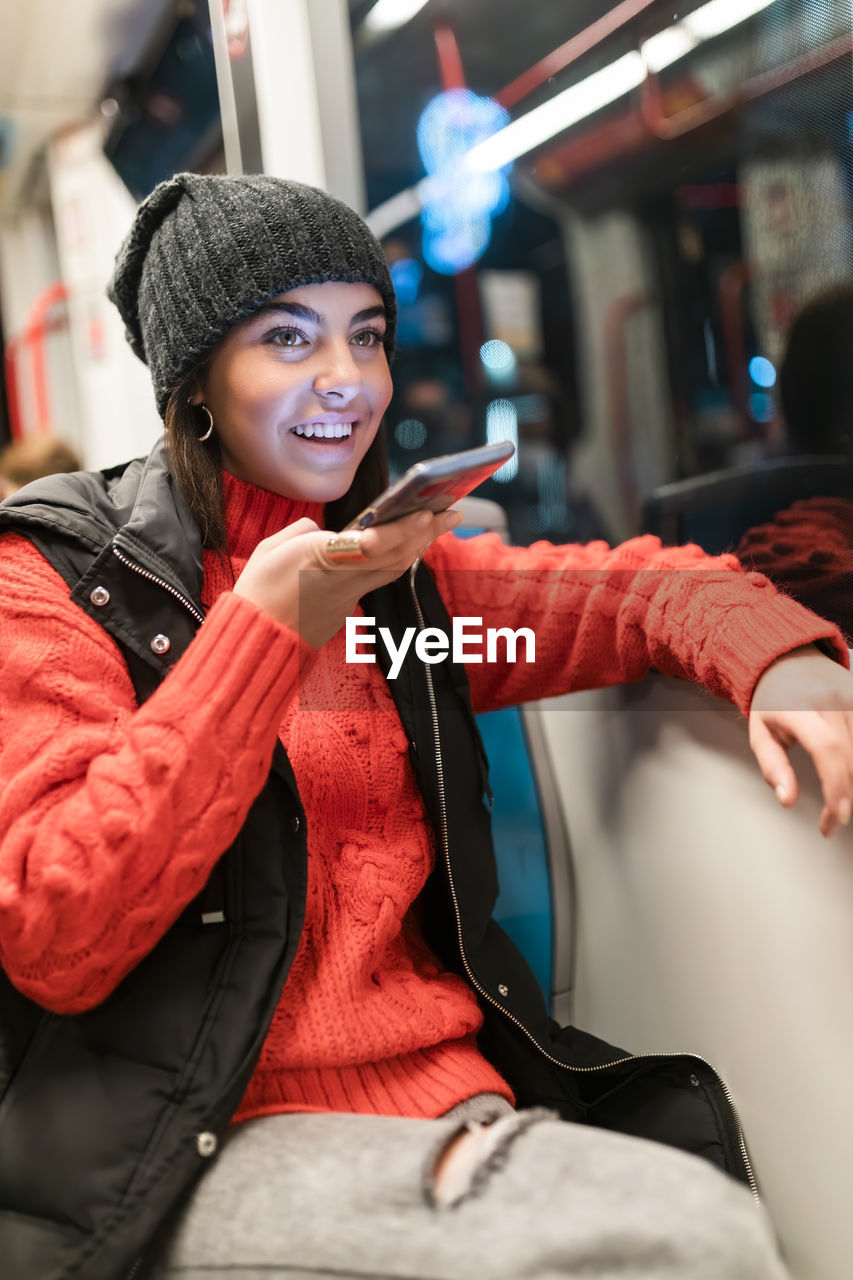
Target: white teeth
{"type": "Point", "coordinates": [328, 430]}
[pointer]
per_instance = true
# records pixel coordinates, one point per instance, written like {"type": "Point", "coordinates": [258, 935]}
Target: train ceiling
{"type": "Point", "coordinates": [56, 60]}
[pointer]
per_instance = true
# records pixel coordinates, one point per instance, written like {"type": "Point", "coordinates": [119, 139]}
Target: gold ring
{"type": "Point", "coordinates": [344, 548]}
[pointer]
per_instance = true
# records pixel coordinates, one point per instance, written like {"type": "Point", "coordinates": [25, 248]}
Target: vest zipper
{"type": "Point", "coordinates": [160, 582]}
{"type": "Point", "coordinates": [199, 617]}
{"type": "Point", "coordinates": [445, 847]}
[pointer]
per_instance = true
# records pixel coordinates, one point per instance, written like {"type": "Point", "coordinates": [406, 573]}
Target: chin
{"type": "Point", "coordinates": [320, 489]}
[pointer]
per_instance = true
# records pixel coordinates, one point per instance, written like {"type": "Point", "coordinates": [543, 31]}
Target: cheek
{"type": "Point", "coordinates": [382, 387]}
{"type": "Point", "coordinates": [253, 392]}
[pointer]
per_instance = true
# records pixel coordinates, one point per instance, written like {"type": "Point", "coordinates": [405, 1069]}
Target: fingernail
{"type": "Point", "coordinates": [782, 792]}
{"type": "Point", "coordinates": [454, 518]}
{"type": "Point", "coordinates": [844, 811]}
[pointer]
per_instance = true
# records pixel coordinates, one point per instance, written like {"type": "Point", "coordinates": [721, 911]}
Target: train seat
{"type": "Point", "coordinates": [643, 857]}
{"type": "Point", "coordinates": [711, 920]}
{"type": "Point", "coordinates": [716, 510]}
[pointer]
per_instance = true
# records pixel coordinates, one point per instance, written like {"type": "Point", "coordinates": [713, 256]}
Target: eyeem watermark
{"type": "Point", "coordinates": [464, 644]}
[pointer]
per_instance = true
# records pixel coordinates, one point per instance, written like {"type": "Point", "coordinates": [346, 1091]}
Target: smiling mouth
{"type": "Point", "coordinates": [324, 430]}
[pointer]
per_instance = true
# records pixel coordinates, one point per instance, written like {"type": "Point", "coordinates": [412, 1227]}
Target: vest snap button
{"type": "Point", "coordinates": [503, 989]}
{"type": "Point", "coordinates": [206, 1144]}
{"type": "Point", "coordinates": [99, 596]}
{"type": "Point", "coordinates": [161, 644]}
{"type": "Point", "coordinates": [296, 823]}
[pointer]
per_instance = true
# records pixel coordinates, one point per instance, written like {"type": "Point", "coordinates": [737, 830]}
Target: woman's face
{"type": "Point", "coordinates": [298, 390]}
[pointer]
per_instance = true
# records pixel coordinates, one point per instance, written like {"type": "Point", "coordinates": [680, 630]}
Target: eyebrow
{"type": "Point", "coordinates": [301, 312]}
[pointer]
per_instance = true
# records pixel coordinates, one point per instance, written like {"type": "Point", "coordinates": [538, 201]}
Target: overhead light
{"type": "Point", "coordinates": [388, 14]}
{"type": "Point", "coordinates": [559, 113]}
{"type": "Point", "coordinates": [713, 19]}
{"type": "Point", "coordinates": [721, 15]}
{"type": "Point", "coordinates": [667, 47]}
{"type": "Point", "coordinates": [573, 104]}
{"type": "Point", "coordinates": [611, 83]}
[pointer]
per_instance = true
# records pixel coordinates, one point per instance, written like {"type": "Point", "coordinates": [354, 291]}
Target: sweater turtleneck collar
{"type": "Point", "coordinates": [252, 514]}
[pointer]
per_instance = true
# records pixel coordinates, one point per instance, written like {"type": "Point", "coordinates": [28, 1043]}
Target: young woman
{"type": "Point", "coordinates": [246, 885]}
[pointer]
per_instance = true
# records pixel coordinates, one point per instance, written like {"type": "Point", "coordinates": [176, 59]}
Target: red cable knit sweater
{"type": "Point", "coordinates": [112, 816]}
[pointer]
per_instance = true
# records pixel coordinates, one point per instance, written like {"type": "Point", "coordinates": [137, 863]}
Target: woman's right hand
{"type": "Point", "coordinates": [289, 577]}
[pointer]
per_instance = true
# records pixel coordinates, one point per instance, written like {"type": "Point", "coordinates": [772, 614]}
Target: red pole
{"type": "Point", "coordinates": [10, 366]}
{"type": "Point", "coordinates": [732, 283]}
{"type": "Point", "coordinates": [37, 330]}
{"type": "Point", "coordinates": [616, 320]}
{"type": "Point", "coordinates": [449, 58]}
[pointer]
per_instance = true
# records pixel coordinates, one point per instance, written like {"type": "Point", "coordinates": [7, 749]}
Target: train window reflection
{"type": "Point", "coordinates": [679, 192]}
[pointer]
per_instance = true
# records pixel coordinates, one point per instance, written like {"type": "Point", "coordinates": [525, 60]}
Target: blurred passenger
{"type": "Point", "coordinates": [431, 412]}
{"type": "Point", "coordinates": [807, 549]}
{"type": "Point", "coordinates": [250, 879]}
{"type": "Point", "coordinates": [816, 375]}
{"type": "Point", "coordinates": [31, 459]}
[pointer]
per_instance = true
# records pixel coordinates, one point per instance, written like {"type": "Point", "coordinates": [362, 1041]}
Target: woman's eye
{"type": "Point", "coordinates": [368, 338]}
{"type": "Point", "coordinates": [287, 337]}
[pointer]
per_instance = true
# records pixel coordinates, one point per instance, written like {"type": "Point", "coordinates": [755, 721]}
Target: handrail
{"type": "Point", "coordinates": [33, 335]}
{"type": "Point", "coordinates": [49, 297]}
{"type": "Point", "coordinates": [449, 57]}
{"type": "Point", "coordinates": [670, 127]}
{"type": "Point", "coordinates": [620, 311]}
{"type": "Point", "coordinates": [731, 285]}
{"type": "Point", "coordinates": [10, 369]}
{"type": "Point", "coordinates": [573, 49]}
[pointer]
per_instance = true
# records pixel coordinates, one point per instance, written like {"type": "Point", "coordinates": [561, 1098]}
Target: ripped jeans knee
{"type": "Point", "coordinates": [467, 1158]}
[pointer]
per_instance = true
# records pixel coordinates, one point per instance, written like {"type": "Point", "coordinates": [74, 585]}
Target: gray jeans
{"type": "Point", "coordinates": [524, 1195]}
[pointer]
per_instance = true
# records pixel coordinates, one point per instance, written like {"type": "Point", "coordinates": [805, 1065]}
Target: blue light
{"type": "Point", "coordinates": [502, 424]}
{"type": "Point", "coordinates": [762, 372]}
{"type": "Point", "coordinates": [410, 433]}
{"type": "Point", "coordinates": [457, 216]}
{"type": "Point", "coordinates": [496, 356]}
{"type": "Point", "coordinates": [456, 243]}
{"type": "Point", "coordinates": [761, 407]}
{"type": "Point", "coordinates": [406, 275]}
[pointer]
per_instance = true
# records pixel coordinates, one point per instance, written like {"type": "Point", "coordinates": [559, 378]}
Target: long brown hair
{"type": "Point", "coordinates": [196, 467]}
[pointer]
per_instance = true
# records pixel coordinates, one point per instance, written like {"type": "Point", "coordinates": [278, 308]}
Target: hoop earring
{"type": "Point", "coordinates": [209, 432]}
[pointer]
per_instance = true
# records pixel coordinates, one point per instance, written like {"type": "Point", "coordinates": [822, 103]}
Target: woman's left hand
{"type": "Point", "coordinates": [807, 698]}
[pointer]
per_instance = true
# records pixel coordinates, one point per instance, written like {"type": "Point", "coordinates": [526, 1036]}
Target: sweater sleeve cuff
{"type": "Point", "coordinates": [778, 628]}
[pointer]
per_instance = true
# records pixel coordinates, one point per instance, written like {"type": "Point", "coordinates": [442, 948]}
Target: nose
{"type": "Point", "coordinates": [338, 374]}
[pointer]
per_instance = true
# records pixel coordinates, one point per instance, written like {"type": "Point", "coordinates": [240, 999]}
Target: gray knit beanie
{"type": "Point", "coordinates": [206, 251]}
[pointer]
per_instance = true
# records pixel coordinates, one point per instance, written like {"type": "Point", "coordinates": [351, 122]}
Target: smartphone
{"type": "Point", "coordinates": [435, 485]}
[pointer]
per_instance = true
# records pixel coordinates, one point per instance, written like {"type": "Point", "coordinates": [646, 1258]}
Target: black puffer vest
{"type": "Point", "coordinates": [108, 1117]}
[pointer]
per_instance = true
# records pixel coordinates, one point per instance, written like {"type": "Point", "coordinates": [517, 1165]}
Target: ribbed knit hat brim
{"type": "Point", "coordinates": [205, 251]}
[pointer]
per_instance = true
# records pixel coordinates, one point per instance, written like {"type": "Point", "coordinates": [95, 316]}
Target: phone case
{"type": "Point", "coordinates": [436, 484]}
